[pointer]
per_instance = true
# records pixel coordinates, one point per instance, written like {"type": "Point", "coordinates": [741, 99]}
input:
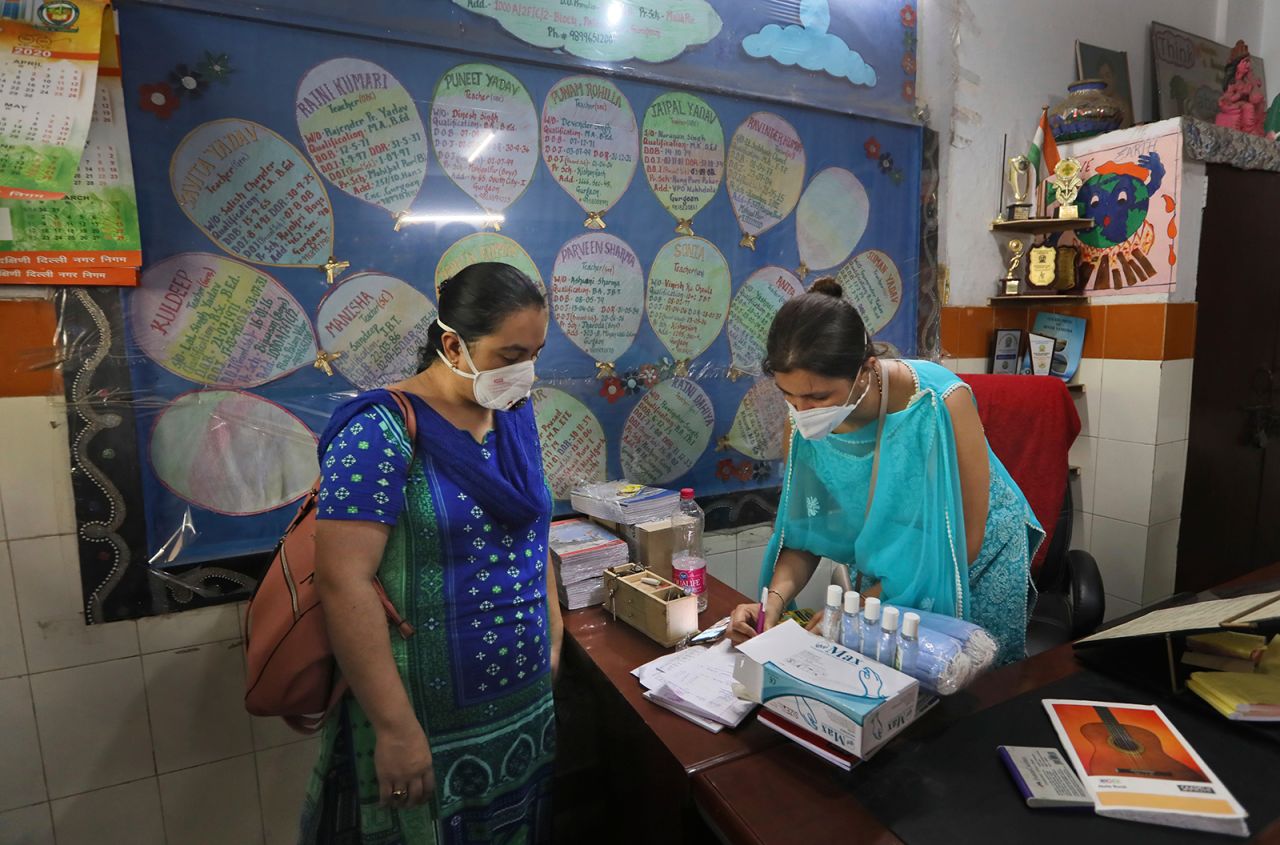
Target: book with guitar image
{"type": "Point", "coordinates": [1137, 766]}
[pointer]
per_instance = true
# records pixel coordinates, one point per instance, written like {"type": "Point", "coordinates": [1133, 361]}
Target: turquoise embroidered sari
{"type": "Point", "coordinates": [912, 542]}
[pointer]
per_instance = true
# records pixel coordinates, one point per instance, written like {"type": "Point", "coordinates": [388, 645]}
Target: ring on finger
{"type": "Point", "coordinates": [399, 794]}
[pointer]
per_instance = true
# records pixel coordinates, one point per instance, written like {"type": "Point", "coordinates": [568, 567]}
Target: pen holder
{"type": "Point", "coordinates": [650, 603]}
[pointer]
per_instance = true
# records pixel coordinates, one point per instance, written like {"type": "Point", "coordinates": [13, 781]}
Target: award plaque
{"type": "Point", "coordinates": [1067, 182]}
{"type": "Point", "coordinates": [1006, 351]}
{"type": "Point", "coordinates": [1020, 177]}
{"type": "Point", "coordinates": [1065, 275]}
{"type": "Point", "coordinates": [1042, 267]}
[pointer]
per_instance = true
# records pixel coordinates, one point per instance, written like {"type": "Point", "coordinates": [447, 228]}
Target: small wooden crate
{"type": "Point", "coordinates": [660, 611]}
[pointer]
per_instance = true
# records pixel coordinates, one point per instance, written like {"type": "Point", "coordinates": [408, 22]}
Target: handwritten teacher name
{"type": "Point", "coordinates": [175, 297]}
{"type": "Point", "coordinates": [493, 82]}
{"type": "Point", "coordinates": [341, 86]}
{"type": "Point", "coordinates": [582, 249]}
{"type": "Point", "coordinates": [197, 176]}
{"type": "Point", "coordinates": [362, 302]}
{"type": "Point", "coordinates": [587, 88]}
{"type": "Point", "coordinates": [791, 143]}
{"type": "Point", "coordinates": [676, 107]}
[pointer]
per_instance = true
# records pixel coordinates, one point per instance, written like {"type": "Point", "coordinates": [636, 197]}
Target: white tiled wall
{"type": "Point", "coordinates": [126, 733]}
{"type": "Point", "coordinates": [1132, 455]}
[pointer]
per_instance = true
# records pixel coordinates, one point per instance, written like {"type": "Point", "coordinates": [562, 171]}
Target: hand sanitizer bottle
{"type": "Point", "coordinates": [851, 624]}
{"type": "Point", "coordinates": [870, 626]}
{"type": "Point", "coordinates": [887, 647]}
{"type": "Point", "coordinates": [831, 614]}
{"type": "Point", "coordinates": [908, 644]}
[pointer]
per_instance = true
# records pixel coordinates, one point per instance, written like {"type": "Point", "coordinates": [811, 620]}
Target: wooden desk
{"type": "Point", "coordinates": [786, 794]}
{"type": "Point", "coordinates": [646, 756]}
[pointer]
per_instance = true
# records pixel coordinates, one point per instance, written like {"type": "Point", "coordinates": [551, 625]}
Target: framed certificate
{"type": "Point", "coordinates": [1005, 351]}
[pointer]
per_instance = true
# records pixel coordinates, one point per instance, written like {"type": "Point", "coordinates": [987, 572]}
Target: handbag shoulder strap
{"type": "Point", "coordinates": [410, 416]}
{"type": "Point", "coordinates": [884, 409]}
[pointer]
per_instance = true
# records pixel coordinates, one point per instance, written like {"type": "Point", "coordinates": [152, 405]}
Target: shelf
{"type": "Point", "coordinates": [1078, 387]}
{"type": "Point", "coordinates": [1041, 225]}
{"type": "Point", "coordinates": [1033, 298]}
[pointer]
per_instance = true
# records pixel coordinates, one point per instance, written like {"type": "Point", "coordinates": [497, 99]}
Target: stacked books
{"type": "Point", "coordinates": [1240, 696]}
{"type": "Point", "coordinates": [624, 503]}
{"type": "Point", "coordinates": [581, 551]}
{"type": "Point", "coordinates": [1225, 651]}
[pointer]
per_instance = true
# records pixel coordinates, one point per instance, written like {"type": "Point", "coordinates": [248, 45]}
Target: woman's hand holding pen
{"type": "Point", "coordinates": [746, 620]}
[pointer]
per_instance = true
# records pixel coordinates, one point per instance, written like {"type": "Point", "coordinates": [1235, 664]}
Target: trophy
{"type": "Point", "coordinates": [1015, 258]}
{"type": "Point", "coordinates": [1020, 173]}
{"type": "Point", "coordinates": [1067, 182]}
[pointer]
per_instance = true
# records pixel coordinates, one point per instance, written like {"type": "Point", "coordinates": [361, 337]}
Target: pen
{"type": "Point", "coordinates": [764, 597]}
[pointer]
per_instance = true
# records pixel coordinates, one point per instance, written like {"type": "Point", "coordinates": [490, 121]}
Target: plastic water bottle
{"type": "Point", "coordinates": [688, 566]}
{"type": "Point", "coordinates": [908, 655]}
{"type": "Point", "coordinates": [887, 646]}
{"type": "Point", "coordinates": [831, 614]}
{"type": "Point", "coordinates": [851, 624]}
{"type": "Point", "coordinates": [870, 627]}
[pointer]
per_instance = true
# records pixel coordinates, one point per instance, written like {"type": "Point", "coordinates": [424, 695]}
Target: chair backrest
{"type": "Point", "coordinates": [1031, 422]}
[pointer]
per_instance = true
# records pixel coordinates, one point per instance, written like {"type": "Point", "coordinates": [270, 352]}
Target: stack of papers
{"type": "Point", "coordinates": [625, 503]}
{"type": "Point", "coordinates": [581, 551]}
{"type": "Point", "coordinates": [1242, 696]}
{"type": "Point", "coordinates": [696, 683]}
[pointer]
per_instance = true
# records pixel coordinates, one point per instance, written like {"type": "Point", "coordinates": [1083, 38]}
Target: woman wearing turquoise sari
{"type": "Point", "coordinates": [447, 736]}
{"type": "Point", "coordinates": [942, 527]}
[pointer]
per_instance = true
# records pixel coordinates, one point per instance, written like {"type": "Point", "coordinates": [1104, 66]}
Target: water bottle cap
{"type": "Point", "coordinates": [686, 493]}
{"type": "Point", "coordinates": [889, 621]}
{"type": "Point", "coordinates": [911, 624]}
{"type": "Point", "coordinates": [872, 608]}
{"type": "Point", "coordinates": [833, 595]}
{"type": "Point", "coordinates": [852, 601]}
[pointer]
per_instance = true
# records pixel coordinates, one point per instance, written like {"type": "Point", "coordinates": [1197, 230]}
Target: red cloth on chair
{"type": "Point", "coordinates": [1031, 423]}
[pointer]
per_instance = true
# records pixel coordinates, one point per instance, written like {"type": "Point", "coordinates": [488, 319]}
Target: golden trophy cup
{"type": "Point", "coordinates": [1067, 182]}
{"type": "Point", "coordinates": [1020, 177]}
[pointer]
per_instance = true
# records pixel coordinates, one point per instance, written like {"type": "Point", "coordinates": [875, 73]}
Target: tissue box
{"type": "Point", "coordinates": [848, 699]}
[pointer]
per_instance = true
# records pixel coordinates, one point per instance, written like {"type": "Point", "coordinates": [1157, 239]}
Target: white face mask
{"type": "Point", "coordinates": [817, 423]}
{"type": "Point", "coordinates": [496, 389]}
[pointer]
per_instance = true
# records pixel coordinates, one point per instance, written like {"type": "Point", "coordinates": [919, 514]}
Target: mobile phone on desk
{"type": "Point", "coordinates": [710, 635]}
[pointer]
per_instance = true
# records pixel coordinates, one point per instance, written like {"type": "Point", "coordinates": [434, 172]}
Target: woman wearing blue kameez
{"type": "Point", "coordinates": [447, 736]}
{"type": "Point", "coordinates": [889, 472]}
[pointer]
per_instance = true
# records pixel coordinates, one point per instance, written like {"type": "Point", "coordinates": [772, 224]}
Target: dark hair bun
{"type": "Point", "coordinates": [829, 286]}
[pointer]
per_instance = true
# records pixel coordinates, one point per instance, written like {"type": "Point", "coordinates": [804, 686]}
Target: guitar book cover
{"type": "Point", "coordinates": [1137, 766]}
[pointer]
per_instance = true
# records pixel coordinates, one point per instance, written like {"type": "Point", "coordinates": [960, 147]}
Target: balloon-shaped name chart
{"type": "Point", "coordinates": [597, 296]}
{"type": "Point", "coordinates": [371, 327]}
{"type": "Point", "coordinates": [760, 424]}
{"type": "Point", "coordinates": [871, 282]}
{"type": "Point", "coordinates": [830, 219]}
{"type": "Point", "coordinates": [752, 313]}
{"type": "Point", "coordinates": [484, 128]}
{"type": "Point", "coordinates": [218, 322]}
{"type": "Point", "coordinates": [667, 432]}
{"type": "Point", "coordinates": [253, 194]}
{"type": "Point", "coordinates": [485, 246]}
{"type": "Point", "coordinates": [573, 442]}
{"type": "Point", "coordinates": [688, 298]}
{"type": "Point", "coordinates": [232, 452]}
{"type": "Point", "coordinates": [764, 173]}
{"type": "Point", "coordinates": [590, 143]}
{"type": "Point", "coordinates": [364, 133]}
{"type": "Point", "coordinates": [683, 146]}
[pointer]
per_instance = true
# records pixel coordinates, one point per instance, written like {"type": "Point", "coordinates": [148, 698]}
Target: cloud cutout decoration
{"type": "Point", "coordinates": [810, 46]}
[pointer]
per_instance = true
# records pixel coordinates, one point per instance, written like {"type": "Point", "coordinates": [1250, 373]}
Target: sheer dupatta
{"type": "Point", "coordinates": [912, 541]}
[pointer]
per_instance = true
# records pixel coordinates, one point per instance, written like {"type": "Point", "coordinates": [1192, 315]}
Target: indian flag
{"type": "Point", "coordinates": [1043, 147]}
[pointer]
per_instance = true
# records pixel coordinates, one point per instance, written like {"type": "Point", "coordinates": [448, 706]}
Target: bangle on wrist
{"type": "Point", "coordinates": [782, 599]}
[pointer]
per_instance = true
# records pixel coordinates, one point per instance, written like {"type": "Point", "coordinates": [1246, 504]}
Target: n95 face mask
{"type": "Point", "coordinates": [497, 389]}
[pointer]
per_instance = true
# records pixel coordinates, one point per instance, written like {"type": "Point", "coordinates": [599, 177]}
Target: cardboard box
{"type": "Point", "coordinates": [655, 542]}
{"type": "Point", "coordinates": [848, 699]}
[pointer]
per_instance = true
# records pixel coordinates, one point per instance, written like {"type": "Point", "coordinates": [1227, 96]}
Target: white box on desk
{"type": "Point", "coordinates": [851, 700]}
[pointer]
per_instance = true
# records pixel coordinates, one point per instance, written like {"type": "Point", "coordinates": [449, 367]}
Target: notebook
{"type": "Point", "coordinates": [1245, 697]}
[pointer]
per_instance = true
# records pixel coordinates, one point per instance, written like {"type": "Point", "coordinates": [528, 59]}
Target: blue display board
{"type": "Point", "coordinates": [224, 424]}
